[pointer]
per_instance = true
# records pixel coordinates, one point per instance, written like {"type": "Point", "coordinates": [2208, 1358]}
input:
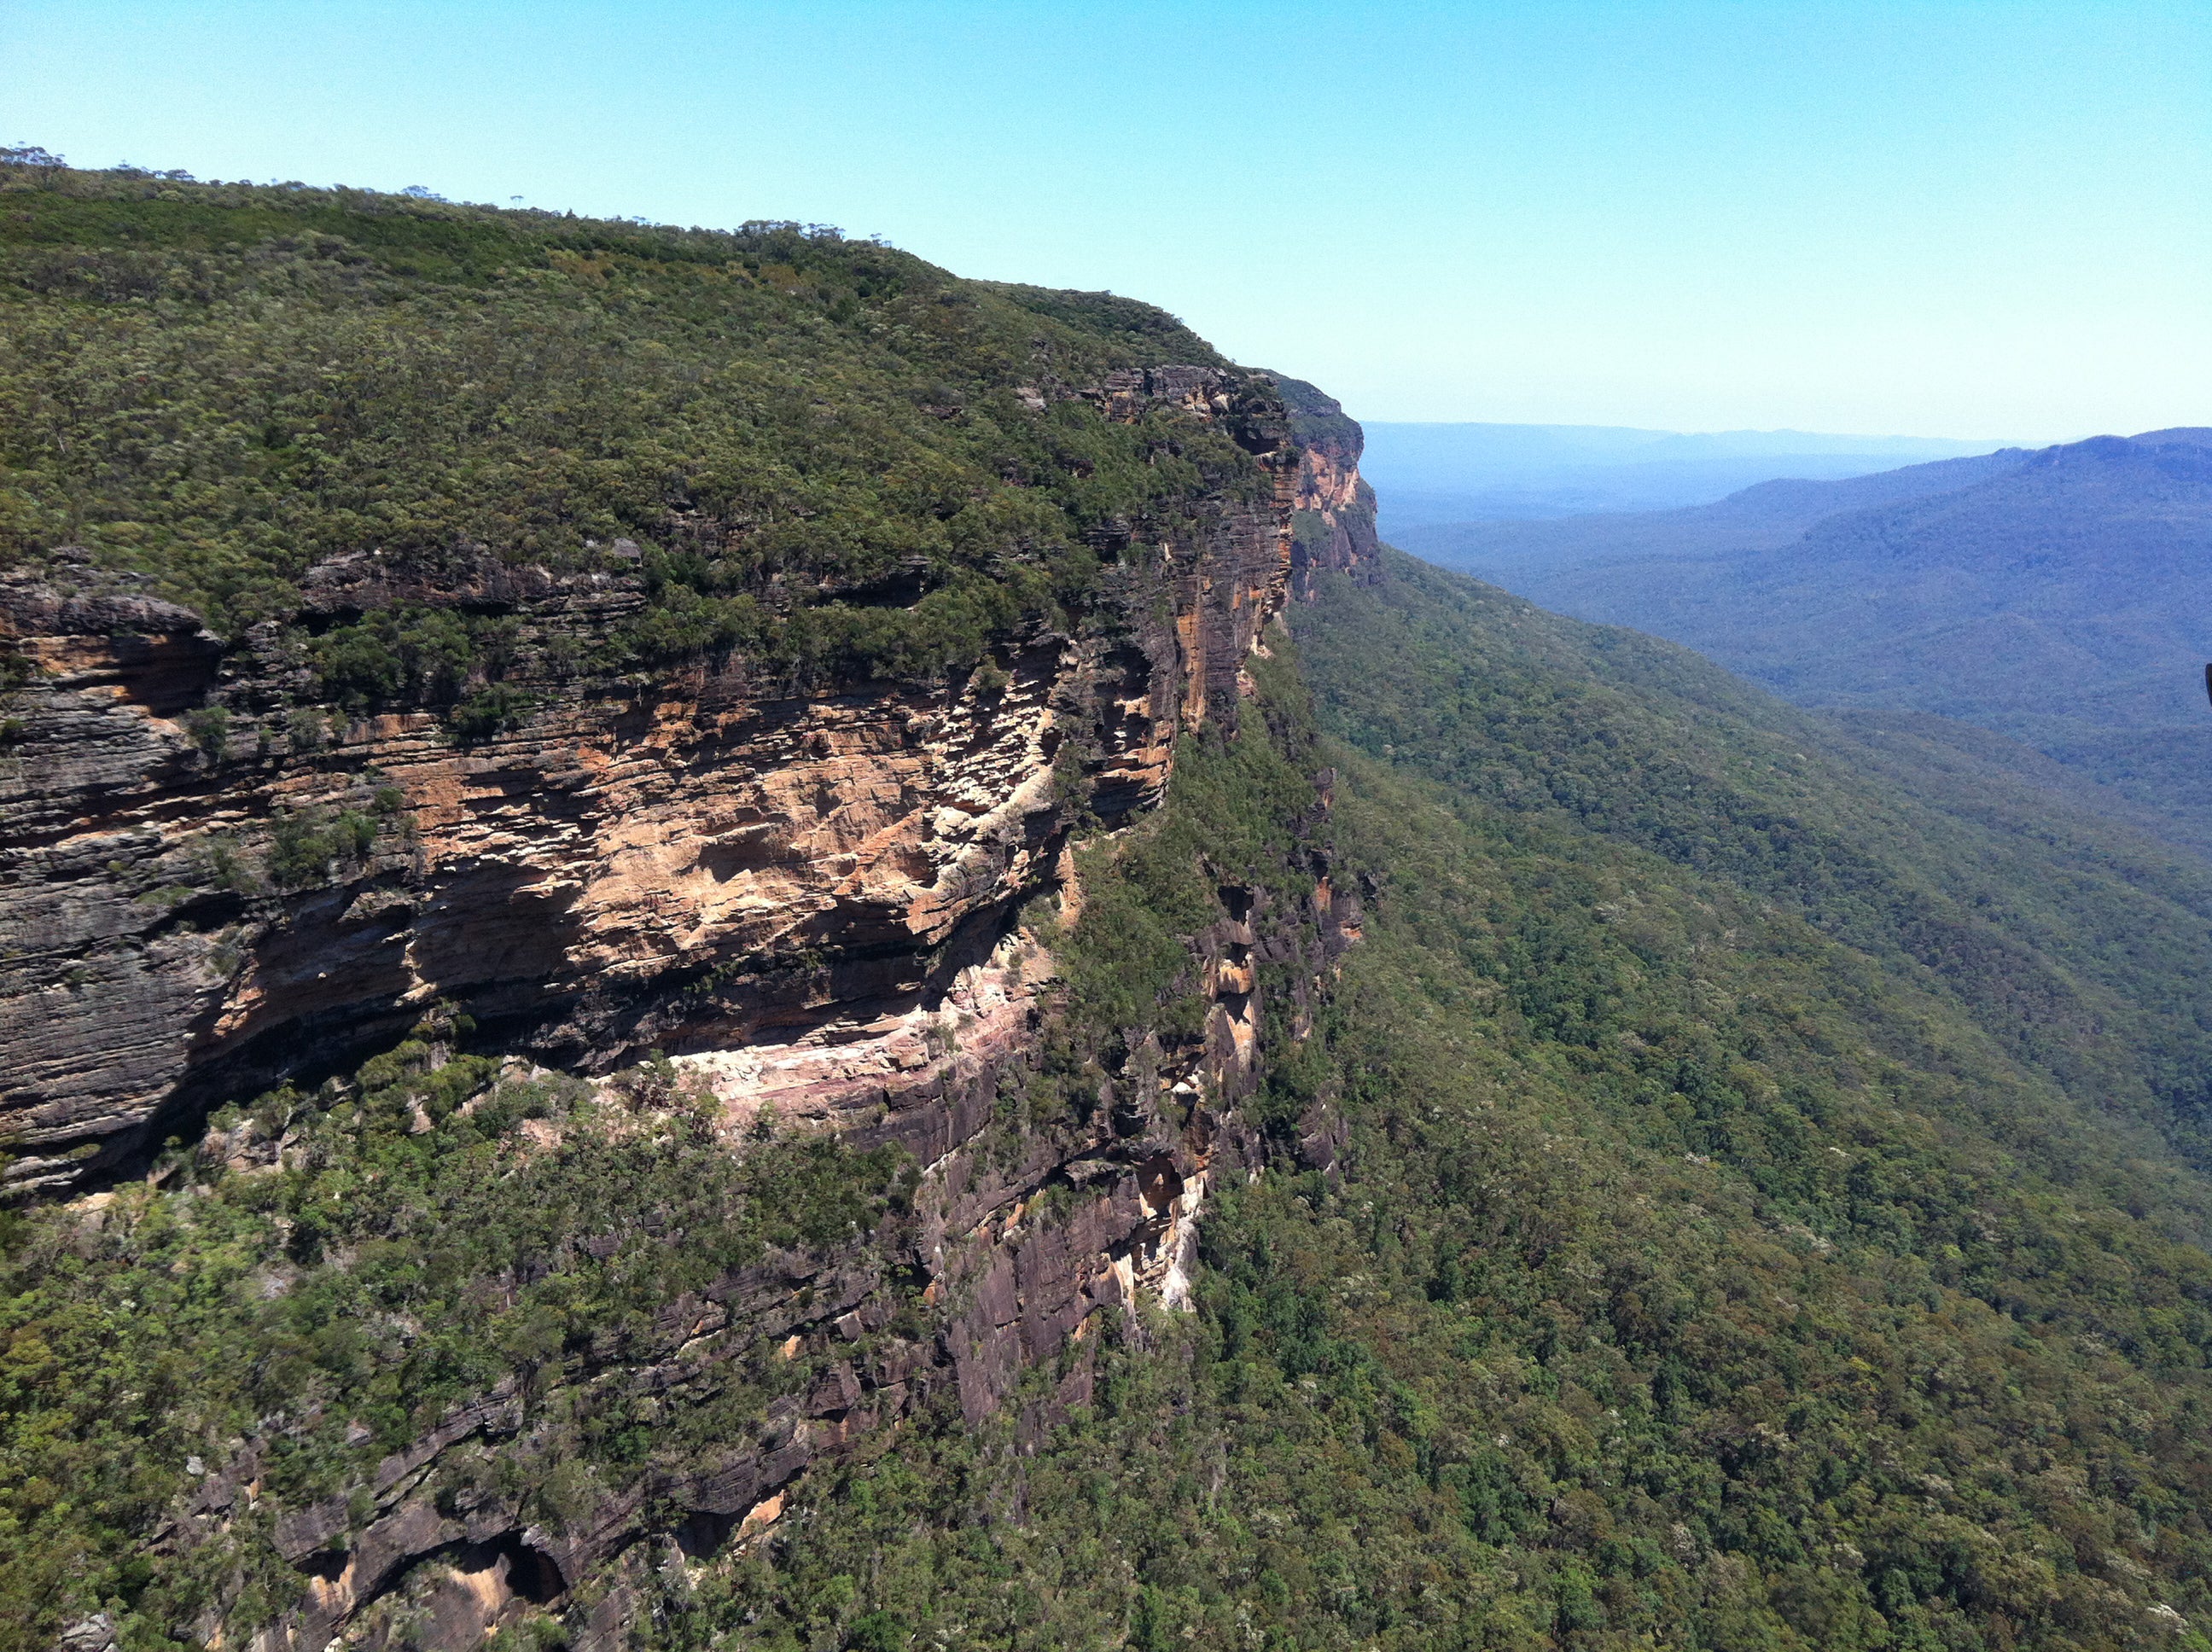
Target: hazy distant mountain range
{"type": "Point", "coordinates": [1429, 473]}
{"type": "Point", "coordinates": [2062, 597]}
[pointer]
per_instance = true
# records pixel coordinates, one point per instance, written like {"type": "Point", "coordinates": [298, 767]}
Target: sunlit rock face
{"type": "Point", "coordinates": [1334, 508]}
{"type": "Point", "coordinates": [697, 859]}
{"type": "Point", "coordinates": [812, 902]}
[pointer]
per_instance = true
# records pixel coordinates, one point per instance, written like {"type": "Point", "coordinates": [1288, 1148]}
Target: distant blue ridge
{"type": "Point", "coordinates": [1429, 473]}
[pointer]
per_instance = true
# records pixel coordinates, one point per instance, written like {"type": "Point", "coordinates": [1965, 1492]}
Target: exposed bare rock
{"type": "Point", "coordinates": [1018, 1252]}
{"type": "Point", "coordinates": [808, 900]}
{"type": "Point", "coordinates": [702, 859]}
{"type": "Point", "coordinates": [1335, 523]}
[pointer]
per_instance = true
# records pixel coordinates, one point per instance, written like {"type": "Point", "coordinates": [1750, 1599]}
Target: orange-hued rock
{"type": "Point", "coordinates": [1335, 507]}
{"type": "Point", "coordinates": [695, 859]}
{"type": "Point", "coordinates": [812, 902]}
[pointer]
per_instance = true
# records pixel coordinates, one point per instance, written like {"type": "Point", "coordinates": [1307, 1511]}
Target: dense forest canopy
{"type": "Point", "coordinates": [829, 453]}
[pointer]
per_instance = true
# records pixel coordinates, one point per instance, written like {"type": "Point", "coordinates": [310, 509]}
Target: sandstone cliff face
{"type": "Point", "coordinates": [1020, 1244]}
{"type": "Point", "coordinates": [809, 900]}
{"type": "Point", "coordinates": [1333, 524]}
{"type": "Point", "coordinates": [697, 861]}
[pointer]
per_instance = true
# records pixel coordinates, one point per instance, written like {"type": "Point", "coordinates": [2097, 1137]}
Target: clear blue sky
{"type": "Point", "coordinates": [1969, 220]}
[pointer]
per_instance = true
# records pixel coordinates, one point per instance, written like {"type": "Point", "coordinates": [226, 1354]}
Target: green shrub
{"type": "Point", "coordinates": [489, 710]}
{"type": "Point", "coordinates": [402, 654]}
{"type": "Point", "coordinates": [303, 844]}
{"type": "Point", "coordinates": [209, 729]}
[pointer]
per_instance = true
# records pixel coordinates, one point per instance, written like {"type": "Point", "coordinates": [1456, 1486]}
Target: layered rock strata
{"type": "Point", "coordinates": [808, 900]}
{"type": "Point", "coordinates": [1018, 1243]}
{"type": "Point", "coordinates": [1333, 519]}
{"type": "Point", "coordinates": [698, 858]}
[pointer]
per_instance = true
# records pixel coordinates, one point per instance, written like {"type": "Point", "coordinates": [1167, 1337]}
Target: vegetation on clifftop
{"type": "Point", "coordinates": [824, 451]}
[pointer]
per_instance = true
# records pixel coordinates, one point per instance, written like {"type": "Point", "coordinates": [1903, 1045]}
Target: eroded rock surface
{"type": "Point", "coordinates": [697, 859]}
{"type": "Point", "coordinates": [810, 902]}
{"type": "Point", "coordinates": [1335, 519]}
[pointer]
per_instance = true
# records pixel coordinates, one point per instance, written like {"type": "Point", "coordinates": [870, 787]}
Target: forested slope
{"type": "Point", "coordinates": [1716, 1259]}
{"type": "Point", "coordinates": [2076, 944]}
{"type": "Point", "coordinates": [2056, 597]}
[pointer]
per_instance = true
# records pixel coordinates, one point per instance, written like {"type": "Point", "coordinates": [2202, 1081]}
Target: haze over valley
{"type": "Point", "coordinates": [1428, 474]}
{"type": "Point", "coordinates": [2061, 596]}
